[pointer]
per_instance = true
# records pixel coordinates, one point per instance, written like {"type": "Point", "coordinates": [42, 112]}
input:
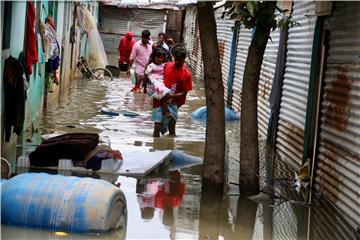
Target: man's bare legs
{"type": "Point", "coordinates": [171, 125]}
{"type": "Point", "coordinates": [157, 128]}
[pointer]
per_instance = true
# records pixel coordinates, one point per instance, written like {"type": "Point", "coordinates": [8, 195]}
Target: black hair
{"type": "Point", "coordinates": [178, 50]}
{"type": "Point", "coordinates": [162, 34]}
{"type": "Point", "coordinates": [145, 33]}
{"type": "Point", "coordinates": [158, 51]}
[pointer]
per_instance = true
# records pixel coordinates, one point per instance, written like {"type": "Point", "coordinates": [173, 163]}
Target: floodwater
{"type": "Point", "coordinates": [168, 204]}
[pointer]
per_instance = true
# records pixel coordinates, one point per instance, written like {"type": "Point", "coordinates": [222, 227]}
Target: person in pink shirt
{"type": "Point", "coordinates": [140, 54]}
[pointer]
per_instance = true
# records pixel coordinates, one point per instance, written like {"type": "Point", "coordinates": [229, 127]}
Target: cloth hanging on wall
{"type": "Point", "coordinates": [15, 96]}
{"type": "Point", "coordinates": [30, 43]}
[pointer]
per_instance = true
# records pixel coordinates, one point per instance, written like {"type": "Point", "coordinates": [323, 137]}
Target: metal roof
{"type": "Point", "coordinates": [150, 4]}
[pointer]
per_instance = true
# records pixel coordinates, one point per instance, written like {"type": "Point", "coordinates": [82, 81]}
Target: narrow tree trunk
{"type": "Point", "coordinates": [249, 153]}
{"type": "Point", "coordinates": [213, 171]}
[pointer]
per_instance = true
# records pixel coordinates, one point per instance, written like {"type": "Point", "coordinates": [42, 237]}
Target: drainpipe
{"type": "Point", "coordinates": [276, 90]}
{"type": "Point", "coordinates": [230, 81]}
{"type": "Point", "coordinates": [311, 109]}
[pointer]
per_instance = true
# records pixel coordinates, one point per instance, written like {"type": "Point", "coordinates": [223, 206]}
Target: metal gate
{"type": "Point", "coordinates": [338, 164]}
{"type": "Point", "coordinates": [290, 137]}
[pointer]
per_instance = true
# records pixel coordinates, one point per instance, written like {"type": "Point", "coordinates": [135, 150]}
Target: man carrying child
{"type": "Point", "coordinates": [177, 82]}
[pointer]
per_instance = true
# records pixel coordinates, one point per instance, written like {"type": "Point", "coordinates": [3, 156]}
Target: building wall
{"type": "Point", "coordinates": [37, 98]}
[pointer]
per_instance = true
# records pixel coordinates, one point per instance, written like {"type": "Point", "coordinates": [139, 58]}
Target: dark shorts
{"type": "Point", "coordinates": [123, 67]}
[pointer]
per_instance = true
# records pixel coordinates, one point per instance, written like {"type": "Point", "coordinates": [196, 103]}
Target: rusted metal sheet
{"type": "Point", "coordinates": [224, 35]}
{"type": "Point", "coordinates": [338, 163]}
{"type": "Point", "coordinates": [244, 40]}
{"type": "Point", "coordinates": [265, 81]}
{"type": "Point", "coordinates": [295, 86]}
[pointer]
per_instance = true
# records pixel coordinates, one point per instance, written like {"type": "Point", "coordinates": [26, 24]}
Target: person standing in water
{"type": "Point", "coordinates": [178, 79]}
{"type": "Point", "coordinates": [140, 54]}
{"type": "Point", "coordinates": [124, 49]}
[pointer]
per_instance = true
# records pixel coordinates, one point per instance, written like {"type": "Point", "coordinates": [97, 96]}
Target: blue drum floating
{"type": "Point", "coordinates": [69, 204]}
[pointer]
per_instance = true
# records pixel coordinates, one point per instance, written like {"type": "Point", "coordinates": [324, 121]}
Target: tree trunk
{"type": "Point", "coordinates": [249, 152]}
{"type": "Point", "coordinates": [213, 171]}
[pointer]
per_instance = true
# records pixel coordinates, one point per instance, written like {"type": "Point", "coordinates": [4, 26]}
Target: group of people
{"type": "Point", "coordinates": [159, 72]}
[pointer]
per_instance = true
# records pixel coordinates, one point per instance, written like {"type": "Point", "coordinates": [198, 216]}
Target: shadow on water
{"type": "Point", "coordinates": [168, 204]}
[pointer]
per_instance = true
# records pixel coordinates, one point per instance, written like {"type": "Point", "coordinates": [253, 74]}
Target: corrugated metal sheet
{"type": "Point", "coordinates": [290, 136]}
{"type": "Point", "coordinates": [115, 22]}
{"type": "Point", "coordinates": [110, 41]}
{"type": "Point", "coordinates": [141, 19]}
{"type": "Point", "coordinates": [224, 35]}
{"type": "Point", "coordinates": [338, 163]}
{"type": "Point", "coordinates": [244, 40]}
{"type": "Point", "coordinates": [326, 223]}
{"type": "Point", "coordinates": [266, 80]}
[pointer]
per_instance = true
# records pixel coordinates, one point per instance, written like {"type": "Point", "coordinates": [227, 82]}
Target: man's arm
{"type": "Point", "coordinates": [175, 96]}
{"type": "Point", "coordinates": [131, 59]}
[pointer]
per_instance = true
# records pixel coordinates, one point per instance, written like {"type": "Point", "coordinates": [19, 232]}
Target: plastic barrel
{"type": "Point", "coordinates": [70, 204]}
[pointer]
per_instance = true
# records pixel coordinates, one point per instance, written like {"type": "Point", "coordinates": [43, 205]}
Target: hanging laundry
{"type": "Point", "coordinates": [51, 47]}
{"type": "Point", "coordinates": [15, 96]}
{"type": "Point", "coordinates": [30, 43]}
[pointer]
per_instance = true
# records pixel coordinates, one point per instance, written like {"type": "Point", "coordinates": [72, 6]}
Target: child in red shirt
{"type": "Point", "coordinates": [178, 79]}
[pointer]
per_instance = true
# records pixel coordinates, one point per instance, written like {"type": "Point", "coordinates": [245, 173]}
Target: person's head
{"type": "Point", "coordinates": [158, 55]}
{"type": "Point", "coordinates": [49, 20]}
{"type": "Point", "coordinates": [170, 41]}
{"type": "Point", "coordinates": [179, 53]}
{"type": "Point", "coordinates": [145, 36]}
{"type": "Point", "coordinates": [161, 37]}
{"type": "Point", "coordinates": [129, 36]}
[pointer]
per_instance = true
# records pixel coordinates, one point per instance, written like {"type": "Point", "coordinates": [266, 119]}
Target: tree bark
{"type": "Point", "coordinates": [249, 152]}
{"type": "Point", "coordinates": [214, 157]}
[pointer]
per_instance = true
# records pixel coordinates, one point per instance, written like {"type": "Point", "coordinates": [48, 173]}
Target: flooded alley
{"type": "Point", "coordinates": [167, 204]}
{"type": "Point", "coordinates": [264, 96]}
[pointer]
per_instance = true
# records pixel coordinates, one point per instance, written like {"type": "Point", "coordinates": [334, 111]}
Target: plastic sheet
{"type": "Point", "coordinates": [200, 114]}
{"type": "Point", "coordinates": [96, 52]}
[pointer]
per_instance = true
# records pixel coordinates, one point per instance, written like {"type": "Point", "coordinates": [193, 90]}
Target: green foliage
{"type": "Point", "coordinates": [258, 14]}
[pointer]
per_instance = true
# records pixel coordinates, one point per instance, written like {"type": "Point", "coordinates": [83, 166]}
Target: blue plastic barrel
{"type": "Point", "coordinates": [70, 204]}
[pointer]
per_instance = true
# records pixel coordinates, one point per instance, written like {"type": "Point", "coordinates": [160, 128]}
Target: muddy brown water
{"type": "Point", "coordinates": [168, 204]}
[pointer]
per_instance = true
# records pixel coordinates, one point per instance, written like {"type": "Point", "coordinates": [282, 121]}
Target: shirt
{"type": "Point", "coordinates": [140, 54]}
{"type": "Point", "coordinates": [178, 80]}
